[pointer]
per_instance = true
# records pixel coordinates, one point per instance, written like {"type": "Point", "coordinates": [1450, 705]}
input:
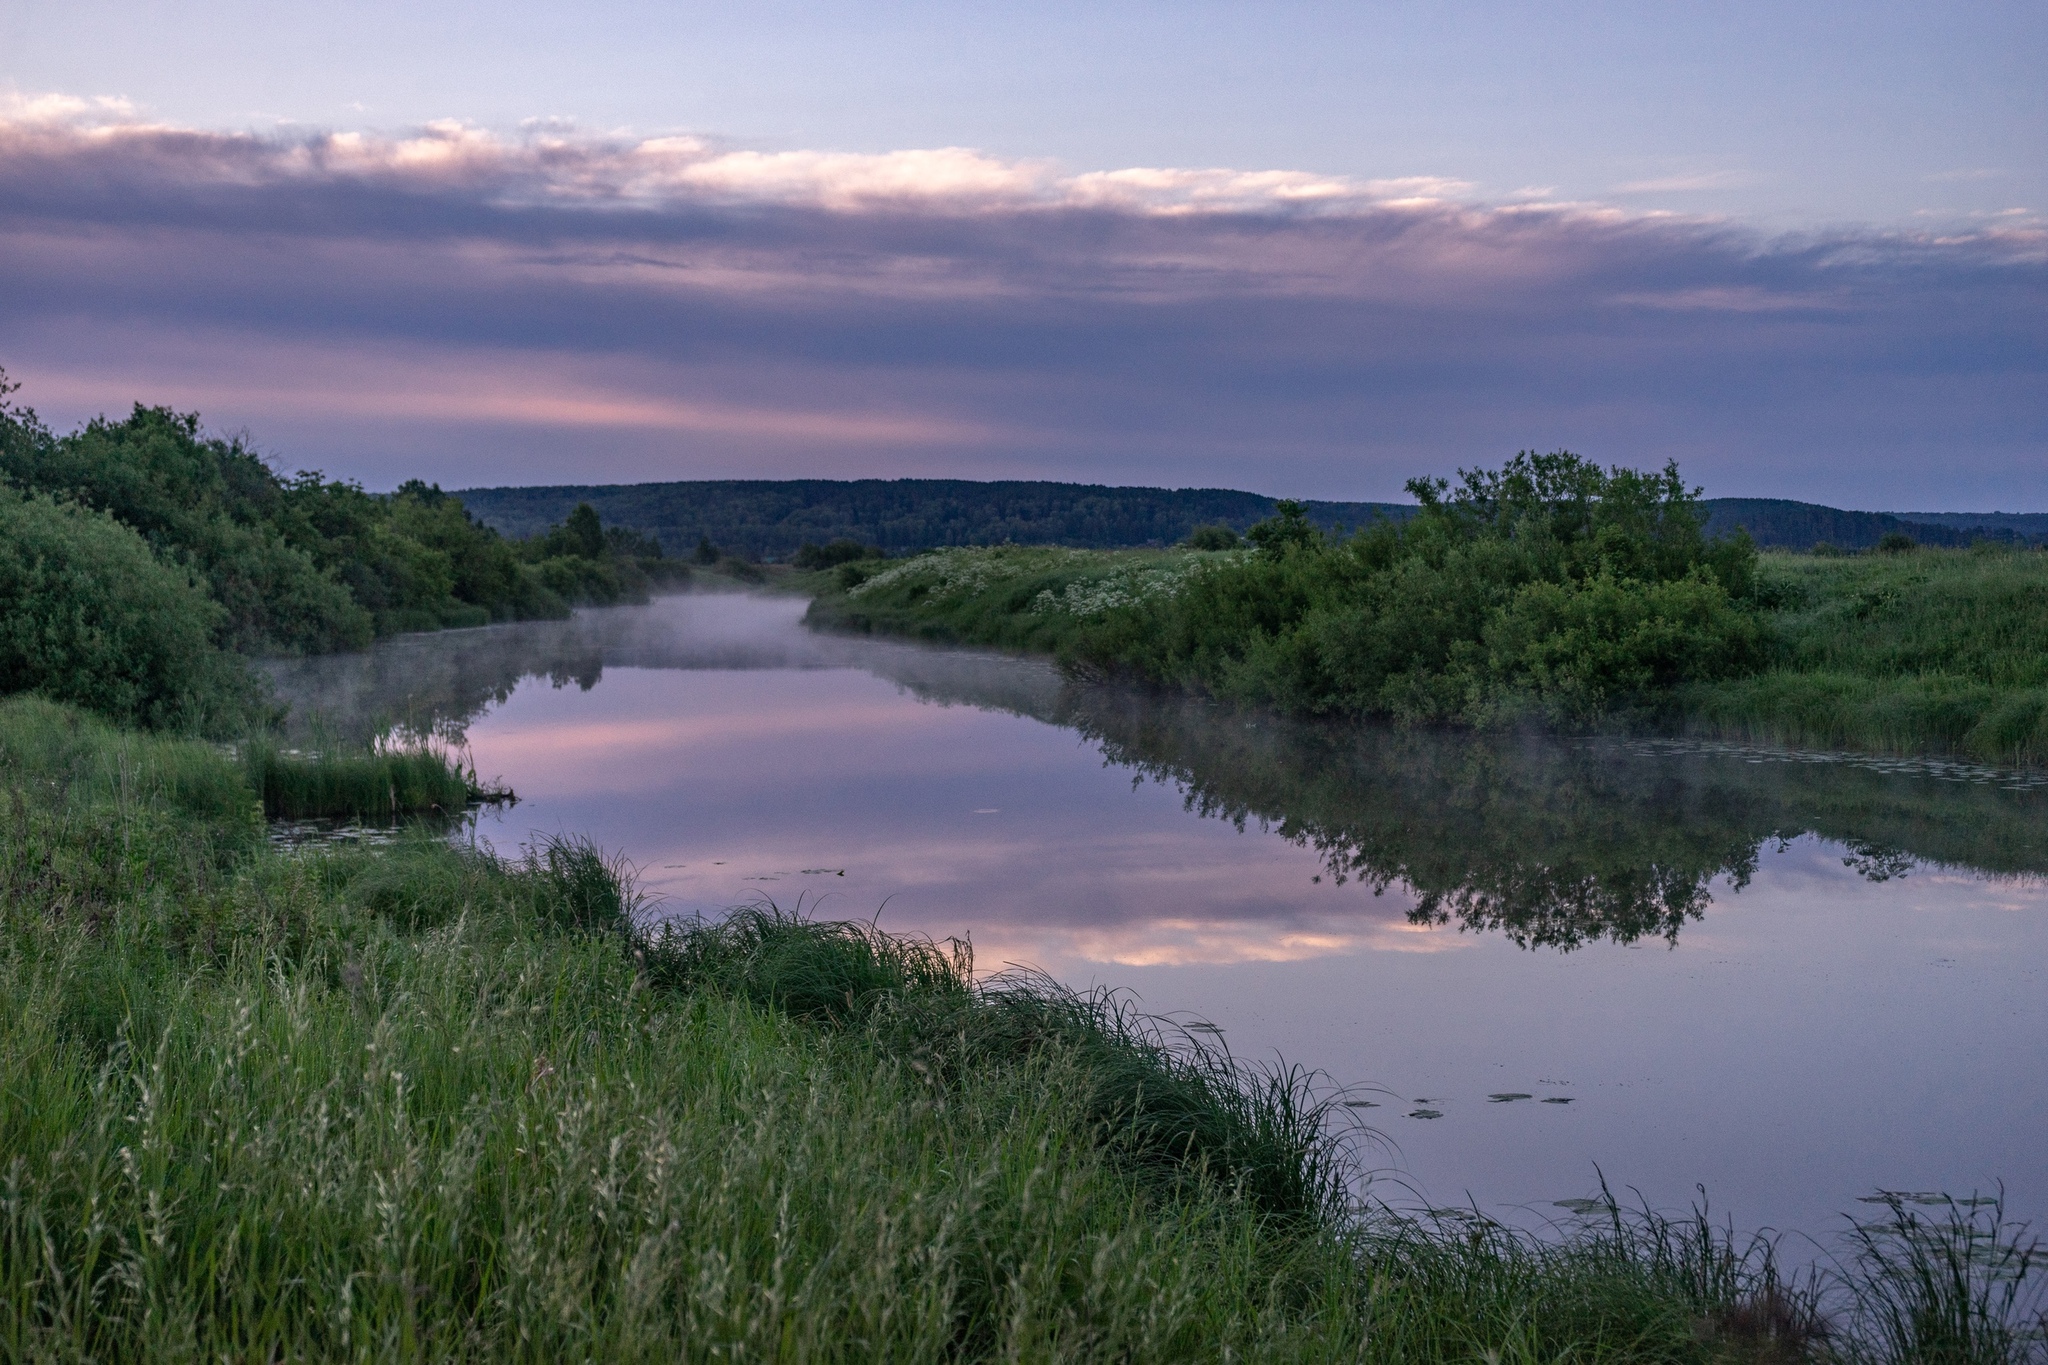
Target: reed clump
{"type": "Point", "coordinates": [379, 784]}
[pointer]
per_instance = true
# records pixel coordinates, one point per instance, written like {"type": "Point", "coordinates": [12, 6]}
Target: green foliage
{"type": "Point", "coordinates": [588, 563]}
{"type": "Point", "coordinates": [1896, 543]}
{"type": "Point", "coordinates": [93, 618]}
{"type": "Point", "coordinates": [1286, 530]}
{"type": "Point", "coordinates": [1164, 1106]}
{"type": "Point", "coordinates": [841, 551]}
{"type": "Point", "coordinates": [1549, 586]}
{"type": "Point", "coordinates": [1938, 649]}
{"type": "Point", "coordinates": [297, 565]}
{"type": "Point", "coordinates": [97, 819]}
{"type": "Point", "coordinates": [774, 519]}
{"type": "Point", "coordinates": [376, 784]}
{"type": "Point", "coordinates": [1013, 596]}
{"type": "Point", "coordinates": [1215, 537]}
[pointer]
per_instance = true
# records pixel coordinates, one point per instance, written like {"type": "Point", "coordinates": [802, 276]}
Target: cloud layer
{"type": "Point", "coordinates": [559, 307]}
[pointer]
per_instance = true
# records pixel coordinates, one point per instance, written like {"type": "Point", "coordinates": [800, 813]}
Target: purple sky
{"type": "Point", "coordinates": [549, 306]}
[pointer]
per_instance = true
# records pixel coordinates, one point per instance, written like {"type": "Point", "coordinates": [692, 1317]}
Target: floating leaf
{"type": "Point", "coordinates": [1361, 1104]}
{"type": "Point", "coordinates": [1580, 1205]}
{"type": "Point", "coordinates": [1558, 1099]}
{"type": "Point", "coordinates": [1425, 1113]}
{"type": "Point", "coordinates": [1507, 1096]}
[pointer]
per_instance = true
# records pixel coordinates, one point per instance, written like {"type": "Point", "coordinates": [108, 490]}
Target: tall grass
{"type": "Point", "coordinates": [1936, 650]}
{"type": "Point", "coordinates": [1164, 1102]}
{"type": "Point", "coordinates": [361, 783]}
{"type": "Point", "coordinates": [1954, 1289]}
{"type": "Point", "coordinates": [1013, 597]}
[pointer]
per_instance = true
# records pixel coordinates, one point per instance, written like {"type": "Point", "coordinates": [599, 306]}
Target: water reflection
{"type": "Point", "coordinates": [1552, 844]}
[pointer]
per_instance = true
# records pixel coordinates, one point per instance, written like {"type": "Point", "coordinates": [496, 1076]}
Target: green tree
{"type": "Point", "coordinates": [95, 619]}
{"type": "Point", "coordinates": [583, 534]}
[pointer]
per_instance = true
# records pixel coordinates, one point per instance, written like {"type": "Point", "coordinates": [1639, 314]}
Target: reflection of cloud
{"type": "Point", "coordinates": [553, 307]}
{"type": "Point", "coordinates": [1185, 943]}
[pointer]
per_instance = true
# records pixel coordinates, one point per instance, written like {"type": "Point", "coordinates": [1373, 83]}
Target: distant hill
{"type": "Point", "coordinates": [770, 518]}
{"type": "Point", "coordinates": [1801, 525]}
{"type": "Point", "coordinates": [2029, 525]}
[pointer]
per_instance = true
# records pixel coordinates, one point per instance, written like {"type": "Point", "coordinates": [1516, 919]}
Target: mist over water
{"type": "Point", "coordinates": [1794, 979]}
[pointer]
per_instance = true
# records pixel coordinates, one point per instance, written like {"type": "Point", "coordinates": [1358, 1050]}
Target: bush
{"type": "Point", "coordinates": [1548, 581]}
{"type": "Point", "coordinates": [841, 551]}
{"type": "Point", "coordinates": [1213, 538]}
{"type": "Point", "coordinates": [1896, 543]}
{"type": "Point", "coordinates": [96, 620]}
{"type": "Point", "coordinates": [297, 565]}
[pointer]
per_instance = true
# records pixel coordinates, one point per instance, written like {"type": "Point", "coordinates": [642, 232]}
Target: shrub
{"type": "Point", "coordinates": [94, 619]}
{"type": "Point", "coordinates": [1548, 581]}
{"type": "Point", "coordinates": [841, 551]}
{"type": "Point", "coordinates": [1213, 538]}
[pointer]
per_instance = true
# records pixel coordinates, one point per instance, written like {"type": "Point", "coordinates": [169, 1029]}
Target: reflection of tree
{"type": "Point", "coordinates": [1552, 843]}
{"type": "Point", "coordinates": [433, 686]}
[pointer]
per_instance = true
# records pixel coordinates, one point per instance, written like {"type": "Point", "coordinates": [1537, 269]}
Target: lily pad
{"type": "Point", "coordinates": [1508, 1097]}
{"type": "Point", "coordinates": [1579, 1205]}
{"type": "Point", "coordinates": [1557, 1099]}
{"type": "Point", "coordinates": [1361, 1104]}
{"type": "Point", "coordinates": [1425, 1113]}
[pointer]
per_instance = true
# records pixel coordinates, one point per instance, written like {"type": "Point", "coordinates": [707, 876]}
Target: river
{"type": "Point", "coordinates": [1793, 979]}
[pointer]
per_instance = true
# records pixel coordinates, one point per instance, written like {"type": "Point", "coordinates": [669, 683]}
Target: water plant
{"type": "Point", "coordinates": [369, 782]}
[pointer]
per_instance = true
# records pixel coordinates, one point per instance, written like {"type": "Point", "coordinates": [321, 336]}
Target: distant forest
{"type": "Point", "coordinates": [772, 519]}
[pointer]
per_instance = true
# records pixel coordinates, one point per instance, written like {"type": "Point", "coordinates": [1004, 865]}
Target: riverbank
{"type": "Point", "coordinates": [418, 1102]}
{"type": "Point", "coordinates": [1925, 652]}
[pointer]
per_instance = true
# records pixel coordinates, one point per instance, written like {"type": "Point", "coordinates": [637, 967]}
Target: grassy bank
{"type": "Point", "coordinates": [419, 1103]}
{"type": "Point", "coordinates": [1930, 651]}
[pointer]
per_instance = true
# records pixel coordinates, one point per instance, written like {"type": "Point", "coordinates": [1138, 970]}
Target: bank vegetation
{"type": "Point", "coordinates": [1548, 591]}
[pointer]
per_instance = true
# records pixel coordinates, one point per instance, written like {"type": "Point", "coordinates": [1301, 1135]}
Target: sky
{"type": "Point", "coordinates": [1303, 249]}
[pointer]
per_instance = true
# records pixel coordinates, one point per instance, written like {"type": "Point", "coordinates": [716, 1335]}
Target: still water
{"type": "Point", "coordinates": [1794, 979]}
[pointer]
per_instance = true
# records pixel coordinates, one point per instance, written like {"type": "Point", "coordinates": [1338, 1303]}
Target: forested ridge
{"type": "Point", "coordinates": [774, 518]}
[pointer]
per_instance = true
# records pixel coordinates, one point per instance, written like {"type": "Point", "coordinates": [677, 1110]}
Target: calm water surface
{"type": "Point", "coordinates": [1791, 980]}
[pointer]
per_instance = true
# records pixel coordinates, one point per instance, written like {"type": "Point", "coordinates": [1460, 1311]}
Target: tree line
{"type": "Point", "coordinates": [139, 557]}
